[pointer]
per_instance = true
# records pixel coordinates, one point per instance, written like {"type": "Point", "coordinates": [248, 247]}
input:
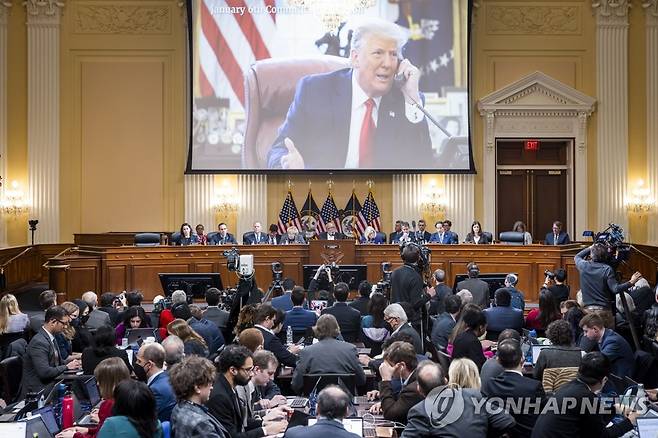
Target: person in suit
{"type": "Point", "coordinates": [107, 305]}
{"type": "Point", "coordinates": [328, 355]}
{"type": "Point", "coordinates": [148, 365]}
{"type": "Point", "coordinates": [478, 288]}
{"type": "Point", "coordinates": [223, 237]}
{"type": "Point", "coordinates": [337, 111]}
{"type": "Point", "coordinates": [467, 343]}
{"type": "Point", "coordinates": [363, 300]}
{"type": "Point", "coordinates": [371, 236]}
{"type": "Point", "coordinates": [186, 237]}
{"type": "Point", "coordinates": [213, 313]}
{"type": "Point", "coordinates": [399, 362]}
{"type": "Point", "coordinates": [349, 319]}
{"type": "Point", "coordinates": [264, 320]}
{"type": "Point", "coordinates": [96, 318]}
{"type": "Point", "coordinates": [437, 303]}
{"type": "Point", "coordinates": [284, 302]}
{"type": "Point", "coordinates": [422, 235]}
{"type": "Point", "coordinates": [518, 298]}
{"type": "Point", "coordinates": [261, 393]}
{"type": "Point", "coordinates": [292, 237]}
{"type": "Point", "coordinates": [446, 322]}
{"type": "Point", "coordinates": [43, 361]}
{"type": "Point", "coordinates": [477, 235]}
{"type": "Point", "coordinates": [254, 237]}
{"type": "Point", "coordinates": [396, 230]}
{"type": "Point", "coordinates": [104, 346]}
{"type": "Point", "coordinates": [47, 299]}
{"type": "Point", "coordinates": [614, 347]}
{"type": "Point", "coordinates": [133, 413]}
{"type": "Point", "coordinates": [404, 235]}
{"type": "Point", "coordinates": [492, 367]}
{"type": "Point", "coordinates": [577, 420]}
{"type": "Point", "coordinates": [299, 318]}
{"type": "Point", "coordinates": [331, 233]}
{"type": "Point", "coordinates": [557, 236]}
{"type": "Point", "coordinates": [511, 385]}
{"type": "Point", "coordinates": [273, 237]}
{"type": "Point", "coordinates": [396, 317]}
{"type": "Point", "coordinates": [236, 368]}
{"type": "Point", "coordinates": [206, 329]}
{"type": "Point", "coordinates": [503, 315]}
{"type": "Point", "coordinates": [441, 235]}
{"type": "Point", "coordinates": [333, 405]}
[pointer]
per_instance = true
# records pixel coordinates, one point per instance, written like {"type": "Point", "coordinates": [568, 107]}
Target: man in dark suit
{"type": "Point", "coordinates": [223, 237]}
{"type": "Point", "coordinates": [331, 233]}
{"type": "Point", "coordinates": [96, 318]}
{"type": "Point", "coordinates": [299, 318]}
{"type": "Point", "coordinates": [396, 230]}
{"type": "Point", "coordinates": [437, 303]}
{"type": "Point", "coordinates": [205, 328]}
{"type": "Point", "coordinates": [557, 236]}
{"type": "Point", "coordinates": [399, 362]}
{"type": "Point", "coordinates": [333, 406]}
{"type": "Point", "coordinates": [43, 362]}
{"type": "Point", "coordinates": [422, 235]}
{"type": "Point", "coordinates": [579, 419]}
{"type": "Point", "coordinates": [478, 288]}
{"type": "Point", "coordinates": [362, 302]}
{"type": "Point", "coordinates": [149, 364]}
{"type": "Point", "coordinates": [614, 347]}
{"type": "Point", "coordinates": [236, 368]}
{"type": "Point", "coordinates": [327, 356]}
{"type": "Point", "coordinates": [284, 301]}
{"type": "Point", "coordinates": [503, 315]}
{"type": "Point", "coordinates": [213, 313]}
{"type": "Point", "coordinates": [404, 235]}
{"type": "Point", "coordinates": [255, 237]}
{"type": "Point", "coordinates": [107, 305]}
{"type": "Point", "coordinates": [47, 299]}
{"type": "Point", "coordinates": [349, 319]}
{"type": "Point", "coordinates": [337, 111]}
{"type": "Point", "coordinates": [264, 321]}
{"type": "Point", "coordinates": [511, 386]}
{"type": "Point", "coordinates": [446, 321]}
{"type": "Point", "coordinates": [396, 317]}
{"type": "Point", "coordinates": [407, 285]}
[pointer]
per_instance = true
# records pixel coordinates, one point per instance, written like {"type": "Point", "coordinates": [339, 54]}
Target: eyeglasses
{"type": "Point", "coordinates": [62, 322]}
{"type": "Point", "coordinates": [390, 318]}
{"type": "Point", "coordinates": [248, 370]}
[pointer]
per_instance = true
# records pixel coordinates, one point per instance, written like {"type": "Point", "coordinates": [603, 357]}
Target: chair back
{"type": "Point", "coordinates": [6, 339]}
{"type": "Point", "coordinates": [382, 236]}
{"type": "Point", "coordinates": [554, 378]}
{"type": "Point", "coordinates": [11, 374]}
{"type": "Point", "coordinates": [318, 382]}
{"type": "Point", "coordinates": [269, 90]}
{"type": "Point", "coordinates": [175, 238]}
{"type": "Point", "coordinates": [147, 239]}
{"type": "Point", "coordinates": [489, 236]}
{"type": "Point", "coordinates": [512, 238]}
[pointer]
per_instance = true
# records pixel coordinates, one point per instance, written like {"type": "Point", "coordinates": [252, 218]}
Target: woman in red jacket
{"type": "Point", "coordinates": [548, 311]}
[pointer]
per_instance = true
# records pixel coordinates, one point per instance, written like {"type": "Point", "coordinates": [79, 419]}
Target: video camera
{"type": "Point", "coordinates": [424, 254]}
{"type": "Point", "coordinates": [242, 264]}
{"type": "Point", "coordinates": [334, 268]}
{"type": "Point", "coordinates": [384, 285]}
{"type": "Point", "coordinates": [612, 238]}
{"type": "Point", "coordinates": [549, 274]}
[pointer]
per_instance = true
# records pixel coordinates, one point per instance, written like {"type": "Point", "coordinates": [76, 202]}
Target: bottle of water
{"type": "Point", "coordinates": [641, 398]}
{"type": "Point", "coordinates": [289, 335]}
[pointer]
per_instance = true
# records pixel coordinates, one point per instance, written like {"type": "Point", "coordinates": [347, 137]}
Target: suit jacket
{"type": "Point", "coordinates": [98, 318]}
{"type": "Point", "coordinates": [225, 406]}
{"type": "Point", "coordinates": [276, 239]}
{"type": "Point", "coordinates": [165, 400]}
{"type": "Point", "coordinates": [36, 321]}
{"type": "Point", "coordinates": [216, 315]}
{"type": "Point", "coordinates": [318, 121]}
{"type": "Point", "coordinates": [283, 302]}
{"type": "Point", "coordinates": [328, 356]}
{"type": "Point", "coordinates": [396, 408]}
{"type": "Point", "coordinates": [380, 238]}
{"type": "Point", "coordinates": [577, 421]}
{"type": "Point", "coordinates": [484, 239]}
{"type": "Point", "coordinates": [468, 345]}
{"type": "Point", "coordinates": [91, 359]}
{"type": "Point", "coordinates": [562, 239]}
{"type": "Point", "coordinates": [510, 385]}
{"type": "Point", "coordinates": [361, 304]}
{"type": "Point", "coordinates": [322, 429]}
{"type": "Point", "coordinates": [422, 236]}
{"type": "Point", "coordinates": [618, 352]}
{"type": "Point", "coordinates": [349, 320]}
{"type": "Point", "coordinates": [337, 236]}
{"type": "Point", "coordinates": [229, 239]}
{"type": "Point", "coordinates": [299, 239]}
{"type": "Point", "coordinates": [500, 318]}
{"type": "Point", "coordinates": [441, 330]}
{"type": "Point", "coordinates": [479, 289]}
{"type": "Point", "coordinates": [249, 238]}
{"type": "Point", "coordinates": [448, 238]}
{"type": "Point", "coordinates": [273, 344]}
{"type": "Point", "coordinates": [399, 236]}
{"type": "Point", "coordinates": [299, 319]}
{"type": "Point", "coordinates": [392, 236]}
{"type": "Point", "coordinates": [209, 332]}
{"type": "Point", "coordinates": [41, 365]}
{"type": "Point", "coordinates": [114, 314]}
{"type": "Point", "coordinates": [409, 330]}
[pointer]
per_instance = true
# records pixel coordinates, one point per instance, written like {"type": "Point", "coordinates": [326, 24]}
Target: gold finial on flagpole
{"type": "Point", "coordinates": [309, 185]}
{"type": "Point", "coordinates": [370, 183]}
{"type": "Point", "coordinates": [289, 184]}
{"type": "Point", "coordinates": [330, 184]}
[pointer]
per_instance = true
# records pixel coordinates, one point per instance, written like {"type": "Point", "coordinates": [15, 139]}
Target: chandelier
{"type": "Point", "coordinates": [434, 200]}
{"type": "Point", "coordinates": [640, 201]}
{"type": "Point", "coordinates": [13, 201]}
{"type": "Point", "coordinates": [333, 12]}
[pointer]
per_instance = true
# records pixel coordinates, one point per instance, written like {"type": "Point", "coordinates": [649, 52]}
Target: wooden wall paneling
{"type": "Point", "coordinates": [81, 280]}
{"type": "Point", "coordinates": [146, 279]}
{"type": "Point", "coordinates": [115, 278]}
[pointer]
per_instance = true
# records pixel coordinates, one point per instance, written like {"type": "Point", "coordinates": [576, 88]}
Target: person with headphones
{"type": "Point", "coordinates": [518, 300]}
{"type": "Point", "coordinates": [479, 288]}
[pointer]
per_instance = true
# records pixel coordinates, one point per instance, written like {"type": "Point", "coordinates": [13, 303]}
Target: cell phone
{"type": "Point", "coordinates": [301, 341]}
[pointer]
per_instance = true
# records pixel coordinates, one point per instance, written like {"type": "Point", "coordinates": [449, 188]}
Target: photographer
{"type": "Point", "coordinates": [598, 282]}
{"type": "Point", "coordinates": [555, 283]}
{"type": "Point", "coordinates": [407, 285]}
{"type": "Point", "coordinates": [322, 280]}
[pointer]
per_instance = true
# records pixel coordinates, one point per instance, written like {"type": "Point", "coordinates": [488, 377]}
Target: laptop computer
{"type": "Point", "coordinates": [13, 429]}
{"type": "Point", "coordinates": [134, 335]}
{"type": "Point", "coordinates": [48, 416]}
{"type": "Point", "coordinates": [536, 349]}
{"type": "Point", "coordinates": [647, 427]}
{"type": "Point", "coordinates": [36, 425]}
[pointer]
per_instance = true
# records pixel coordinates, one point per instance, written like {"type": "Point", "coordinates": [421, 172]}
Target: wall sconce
{"type": "Point", "coordinates": [226, 201]}
{"type": "Point", "coordinates": [13, 201]}
{"type": "Point", "coordinates": [434, 200]}
{"type": "Point", "coordinates": [640, 201]}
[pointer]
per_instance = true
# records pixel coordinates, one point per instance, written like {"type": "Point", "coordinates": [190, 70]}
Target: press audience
{"type": "Point", "coordinates": [133, 413]}
{"type": "Point", "coordinates": [103, 347]}
{"type": "Point", "coordinates": [149, 368]}
{"type": "Point", "coordinates": [12, 320]}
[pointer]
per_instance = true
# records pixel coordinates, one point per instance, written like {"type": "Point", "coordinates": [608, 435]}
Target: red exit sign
{"type": "Point", "coordinates": [532, 145]}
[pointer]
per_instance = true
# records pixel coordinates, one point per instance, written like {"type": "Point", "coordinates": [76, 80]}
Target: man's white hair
{"type": "Point", "coordinates": [396, 311]}
{"type": "Point", "coordinates": [465, 295]}
{"type": "Point", "coordinates": [368, 230]}
{"type": "Point", "coordinates": [364, 28]}
{"type": "Point", "coordinates": [179, 296]}
{"type": "Point", "coordinates": [90, 298]}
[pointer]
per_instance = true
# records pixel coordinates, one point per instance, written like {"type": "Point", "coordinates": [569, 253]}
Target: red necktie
{"type": "Point", "coordinates": [367, 138]}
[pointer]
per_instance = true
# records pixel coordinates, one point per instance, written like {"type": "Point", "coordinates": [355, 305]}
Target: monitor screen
{"type": "Point", "coordinates": [48, 416]}
{"type": "Point", "coordinates": [350, 274]}
{"type": "Point", "coordinates": [36, 425]}
{"type": "Point", "coordinates": [495, 281]}
{"type": "Point", "coordinates": [647, 427]}
{"type": "Point", "coordinates": [92, 391]}
{"type": "Point", "coordinates": [193, 284]}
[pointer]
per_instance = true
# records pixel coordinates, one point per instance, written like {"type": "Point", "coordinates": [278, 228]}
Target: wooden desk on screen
{"type": "Point", "coordinates": [115, 269]}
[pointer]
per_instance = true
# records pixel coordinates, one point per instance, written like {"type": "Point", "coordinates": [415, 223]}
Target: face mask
{"type": "Point", "coordinates": [140, 372]}
{"type": "Point", "coordinates": [75, 322]}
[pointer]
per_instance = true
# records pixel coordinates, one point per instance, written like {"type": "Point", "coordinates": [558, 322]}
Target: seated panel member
{"type": "Point", "coordinates": [331, 233]}
{"type": "Point", "coordinates": [273, 237]}
{"type": "Point", "coordinates": [186, 236]}
{"type": "Point", "coordinates": [357, 113]}
{"type": "Point", "coordinates": [404, 235]}
{"type": "Point", "coordinates": [371, 236]}
{"type": "Point", "coordinates": [223, 237]}
{"type": "Point", "coordinates": [557, 236]}
{"type": "Point", "coordinates": [396, 230]}
{"type": "Point", "coordinates": [256, 236]}
{"type": "Point", "coordinates": [292, 237]}
{"type": "Point", "coordinates": [422, 235]}
{"type": "Point", "coordinates": [476, 235]}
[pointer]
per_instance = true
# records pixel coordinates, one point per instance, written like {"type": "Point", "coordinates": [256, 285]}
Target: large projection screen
{"type": "Point", "coordinates": [276, 86]}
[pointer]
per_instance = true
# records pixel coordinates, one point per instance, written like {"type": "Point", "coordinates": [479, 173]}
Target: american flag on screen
{"type": "Point", "coordinates": [329, 213]}
{"type": "Point", "coordinates": [369, 215]}
{"type": "Point", "coordinates": [230, 40]}
{"type": "Point", "coordinates": [289, 215]}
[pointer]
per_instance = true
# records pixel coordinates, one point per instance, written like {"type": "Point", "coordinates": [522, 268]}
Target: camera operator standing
{"type": "Point", "coordinates": [599, 284]}
{"type": "Point", "coordinates": [407, 285]}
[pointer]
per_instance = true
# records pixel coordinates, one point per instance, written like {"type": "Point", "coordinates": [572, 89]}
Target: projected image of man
{"type": "Point", "coordinates": [360, 117]}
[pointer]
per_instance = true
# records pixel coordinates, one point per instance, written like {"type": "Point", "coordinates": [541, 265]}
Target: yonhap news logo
{"type": "Point", "coordinates": [444, 405]}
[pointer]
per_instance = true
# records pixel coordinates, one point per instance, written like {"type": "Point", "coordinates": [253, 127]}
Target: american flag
{"type": "Point", "coordinates": [230, 40]}
{"type": "Point", "coordinates": [369, 215]}
{"type": "Point", "coordinates": [289, 215]}
{"type": "Point", "coordinates": [329, 213]}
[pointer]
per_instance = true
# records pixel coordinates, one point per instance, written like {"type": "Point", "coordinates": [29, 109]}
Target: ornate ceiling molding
{"type": "Point", "coordinates": [611, 12]}
{"type": "Point", "coordinates": [122, 19]}
{"type": "Point", "coordinates": [533, 20]}
{"type": "Point", "coordinates": [651, 10]}
{"type": "Point", "coordinates": [43, 7]}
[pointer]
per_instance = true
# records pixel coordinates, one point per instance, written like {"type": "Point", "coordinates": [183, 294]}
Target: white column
{"type": "Point", "coordinates": [43, 116]}
{"type": "Point", "coordinates": [488, 173]}
{"type": "Point", "coordinates": [252, 190]}
{"type": "Point", "coordinates": [199, 191]}
{"type": "Point", "coordinates": [4, 11]}
{"type": "Point", "coordinates": [651, 10]}
{"type": "Point", "coordinates": [460, 190]}
{"type": "Point", "coordinates": [407, 192]}
{"type": "Point", "coordinates": [612, 124]}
